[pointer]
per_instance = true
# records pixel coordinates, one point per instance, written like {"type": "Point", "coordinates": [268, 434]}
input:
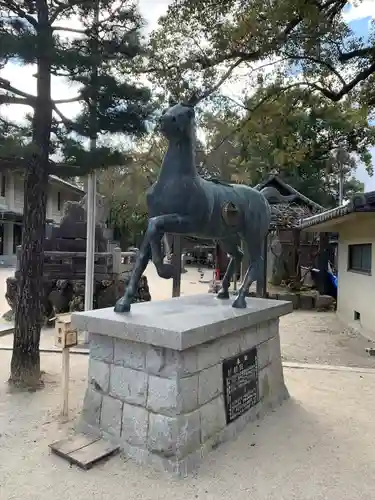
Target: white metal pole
{"type": "Point", "coordinates": [341, 185]}
{"type": "Point", "coordinates": [90, 244]}
{"type": "Point", "coordinates": [91, 194]}
{"type": "Point", "coordinates": [91, 206]}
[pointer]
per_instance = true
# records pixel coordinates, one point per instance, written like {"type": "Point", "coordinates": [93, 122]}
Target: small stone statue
{"type": "Point", "coordinates": [101, 209]}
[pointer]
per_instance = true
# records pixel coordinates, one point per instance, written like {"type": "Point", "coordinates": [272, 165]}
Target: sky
{"type": "Point", "coordinates": [358, 16]}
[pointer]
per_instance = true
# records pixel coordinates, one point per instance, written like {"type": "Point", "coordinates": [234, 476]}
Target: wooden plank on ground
{"type": "Point", "coordinates": [83, 450]}
{"type": "Point", "coordinates": [72, 444]}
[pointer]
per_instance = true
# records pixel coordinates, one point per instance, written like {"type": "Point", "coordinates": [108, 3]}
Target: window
{"type": "Point", "coordinates": [58, 201]}
{"type": "Point", "coordinates": [360, 259]}
{"type": "Point", "coordinates": [3, 185]}
{"type": "Point", "coordinates": [17, 236]}
{"type": "Point", "coordinates": [1, 239]}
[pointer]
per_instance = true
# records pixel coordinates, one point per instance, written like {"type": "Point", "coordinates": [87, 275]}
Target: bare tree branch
{"type": "Point", "coordinates": [112, 15]}
{"type": "Point", "coordinates": [11, 99]}
{"type": "Point", "coordinates": [61, 115]}
{"type": "Point", "coordinates": [5, 84]}
{"type": "Point", "coordinates": [69, 30]}
{"type": "Point", "coordinates": [69, 100]}
{"type": "Point", "coordinates": [321, 63]}
{"type": "Point", "coordinates": [62, 8]}
{"type": "Point", "coordinates": [364, 52]}
{"type": "Point", "coordinates": [336, 96]}
{"type": "Point", "coordinates": [66, 170]}
{"type": "Point", "coordinates": [195, 99]}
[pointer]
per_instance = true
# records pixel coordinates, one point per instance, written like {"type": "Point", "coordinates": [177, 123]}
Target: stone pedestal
{"type": "Point", "coordinates": [172, 379]}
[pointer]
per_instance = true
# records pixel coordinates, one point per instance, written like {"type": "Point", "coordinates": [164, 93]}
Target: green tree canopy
{"type": "Point", "coordinates": [308, 42]}
{"type": "Point", "coordinates": [296, 134]}
{"type": "Point", "coordinates": [89, 44]}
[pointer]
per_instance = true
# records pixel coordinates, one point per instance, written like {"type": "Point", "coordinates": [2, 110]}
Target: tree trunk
{"type": "Point", "coordinates": [25, 364]}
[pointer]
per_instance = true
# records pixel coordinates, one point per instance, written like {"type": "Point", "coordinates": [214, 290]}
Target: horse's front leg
{"type": "Point", "coordinates": [164, 270]}
{"type": "Point", "coordinates": [143, 258]}
{"type": "Point", "coordinates": [123, 304]}
{"type": "Point", "coordinates": [172, 223]}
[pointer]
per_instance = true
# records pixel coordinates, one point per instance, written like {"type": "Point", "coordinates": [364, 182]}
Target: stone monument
{"type": "Point", "coordinates": [65, 267]}
{"type": "Point", "coordinates": [168, 381]}
{"type": "Point", "coordinates": [172, 379]}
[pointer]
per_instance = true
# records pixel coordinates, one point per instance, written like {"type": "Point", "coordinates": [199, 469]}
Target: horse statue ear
{"type": "Point", "coordinates": [172, 102]}
{"type": "Point", "coordinates": [193, 100]}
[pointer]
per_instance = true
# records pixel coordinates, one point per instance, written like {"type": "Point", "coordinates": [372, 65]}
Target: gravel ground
{"type": "Point", "coordinates": [298, 452]}
{"type": "Point", "coordinates": [306, 336]}
{"type": "Point", "coordinates": [319, 337]}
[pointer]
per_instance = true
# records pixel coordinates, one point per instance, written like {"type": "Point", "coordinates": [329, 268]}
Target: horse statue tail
{"type": "Point", "coordinates": [273, 196]}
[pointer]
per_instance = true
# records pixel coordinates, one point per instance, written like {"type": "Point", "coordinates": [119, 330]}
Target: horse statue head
{"type": "Point", "coordinates": [178, 122]}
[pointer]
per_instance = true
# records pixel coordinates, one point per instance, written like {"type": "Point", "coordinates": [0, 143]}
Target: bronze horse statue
{"type": "Point", "coordinates": [182, 202]}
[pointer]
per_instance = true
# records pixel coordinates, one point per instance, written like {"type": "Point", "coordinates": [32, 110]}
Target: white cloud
{"type": "Point", "coordinates": [152, 10]}
{"type": "Point", "coordinates": [363, 176]}
{"type": "Point", "coordinates": [360, 10]}
{"type": "Point", "coordinates": [22, 76]}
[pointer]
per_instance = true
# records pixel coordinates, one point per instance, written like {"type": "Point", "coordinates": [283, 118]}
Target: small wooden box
{"type": "Point", "coordinates": [65, 335]}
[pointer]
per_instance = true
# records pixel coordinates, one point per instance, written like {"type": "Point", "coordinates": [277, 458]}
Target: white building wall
{"type": "Point", "coordinates": [53, 210]}
{"type": "Point", "coordinates": [10, 191]}
{"type": "Point", "coordinates": [356, 291]}
{"type": "Point", "coordinates": [18, 194]}
{"type": "Point", "coordinates": [14, 201]}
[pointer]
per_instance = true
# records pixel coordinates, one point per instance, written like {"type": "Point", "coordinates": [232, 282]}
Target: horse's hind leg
{"type": "Point", "coordinates": [252, 275]}
{"type": "Point", "coordinates": [232, 247]}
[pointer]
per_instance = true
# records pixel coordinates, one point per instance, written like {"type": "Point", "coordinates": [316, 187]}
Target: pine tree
{"type": "Point", "coordinates": [68, 39]}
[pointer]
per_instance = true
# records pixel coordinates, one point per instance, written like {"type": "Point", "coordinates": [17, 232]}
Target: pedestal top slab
{"type": "Point", "coordinates": [179, 323]}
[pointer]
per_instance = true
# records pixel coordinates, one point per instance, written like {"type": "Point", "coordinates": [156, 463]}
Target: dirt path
{"type": "Point", "coordinates": [315, 337]}
{"type": "Point", "coordinates": [304, 443]}
{"type": "Point", "coordinates": [298, 452]}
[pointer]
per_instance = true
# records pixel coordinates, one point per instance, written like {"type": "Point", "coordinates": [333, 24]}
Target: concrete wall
{"type": "Point", "coordinates": [356, 291]}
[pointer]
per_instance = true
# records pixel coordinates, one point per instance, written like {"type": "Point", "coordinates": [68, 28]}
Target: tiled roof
{"type": "Point", "coordinates": [6, 163]}
{"type": "Point", "coordinates": [364, 202]}
{"type": "Point", "coordinates": [277, 179]}
{"type": "Point", "coordinates": [66, 183]}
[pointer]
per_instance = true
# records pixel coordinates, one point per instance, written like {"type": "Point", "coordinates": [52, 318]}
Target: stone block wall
{"type": "Point", "coordinates": [166, 407]}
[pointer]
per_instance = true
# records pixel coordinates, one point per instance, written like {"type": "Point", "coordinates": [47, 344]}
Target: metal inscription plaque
{"type": "Point", "coordinates": [241, 387]}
